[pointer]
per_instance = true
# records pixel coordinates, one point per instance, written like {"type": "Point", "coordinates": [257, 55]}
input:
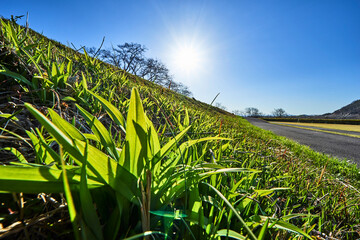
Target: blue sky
{"type": "Point", "coordinates": [300, 55]}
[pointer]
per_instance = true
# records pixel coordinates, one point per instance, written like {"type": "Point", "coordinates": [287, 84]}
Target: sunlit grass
{"type": "Point", "coordinates": [146, 161]}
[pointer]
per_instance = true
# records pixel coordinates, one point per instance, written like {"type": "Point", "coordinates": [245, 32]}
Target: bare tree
{"type": "Point", "coordinates": [219, 105]}
{"type": "Point", "coordinates": [238, 112]}
{"type": "Point", "coordinates": [180, 88]}
{"type": "Point", "coordinates": [128, 56]}
{"type": "Point", "coordinates": [279, 112]}
{"type": "Point", "coordinates": [252, 112]}
{"type": "Point", "coordinates": [154, 71]}
{"type": "Point", "coordinates": [184, 90]}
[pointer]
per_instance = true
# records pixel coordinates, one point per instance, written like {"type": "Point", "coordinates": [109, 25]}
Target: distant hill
{"type": "Point", "coordinates": [351, 110]}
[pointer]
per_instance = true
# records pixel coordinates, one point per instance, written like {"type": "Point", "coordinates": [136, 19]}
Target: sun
{"type": "Point", "coordinates": [187, 58]}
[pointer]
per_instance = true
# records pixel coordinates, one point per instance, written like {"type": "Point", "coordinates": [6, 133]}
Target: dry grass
{"type": "Point", "coordinates": [344, 127]}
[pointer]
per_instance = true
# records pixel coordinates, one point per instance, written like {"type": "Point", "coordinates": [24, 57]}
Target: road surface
{"type": "Point", "coordinates": [332, 144]}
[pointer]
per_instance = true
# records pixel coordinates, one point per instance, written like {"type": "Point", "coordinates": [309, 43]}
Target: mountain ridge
{"type": "Point", "coordinates": [351, 110]}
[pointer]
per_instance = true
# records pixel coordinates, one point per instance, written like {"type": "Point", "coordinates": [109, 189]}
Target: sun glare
{"type": "Point", "coordinates": [188, 58]}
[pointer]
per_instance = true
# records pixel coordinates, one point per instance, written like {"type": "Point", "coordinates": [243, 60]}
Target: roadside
{"type": "Point", "coordinates": [341, 146]}
{"type": "Point", "coordinates": [322, 127]}
{"type": "Point", "coordinates": [318, 129]}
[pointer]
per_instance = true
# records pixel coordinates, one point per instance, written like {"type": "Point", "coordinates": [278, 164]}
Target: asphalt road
{"type": "Point", "coordinates": [332, 144]}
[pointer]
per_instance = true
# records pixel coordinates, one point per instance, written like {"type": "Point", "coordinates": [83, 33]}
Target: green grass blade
{"type": "Point", "coordinates": [250, 233]}
{"type": "Point", "coordinates": [263, 230]}
{"type": "Point", "coordinates": [83, 81]}
{"type": "Point", "coordinates": [40, 150]}
{"type": "Point", "coordinates": [134, 152]}
{"type": "Point", "coordinates": [113, 112]}
{"type": "Point", "coordinates": [152, 139]}
{"type": "Point", "coordinates": [230, 233]}
{"type": "Point", "coordinates": [74, 218]}
{"type": "Point", "coordinates": [186, 119]}
{"type": "Point", "coordinates": [17, 153]}
{"type": "Point", "coordinates": [61, 137]}
{"type": "Point", "coordinates": [37, 179]}
{"type": "Point", "coordinates": [229, 170]}
{"type": "Point", "coordinates": [99, 163]}
{"type": "Point", "coordinates": [144, 234]}
{"type": "Point", "coordinates": [16, 76]}
{"type": "Point", "coordinates": [100, 132]}
{"type": "Point", "coordinates": [168, 146]}
{"type": "Point", "coordinates": [66, 127]}
{"type": "Point", "coordinates": [9, 116]}
{"type": "Point", "coordinates": [290, 227]}
{"type": "Point", "coordinates": [15, 135]}
{"type": "Point", "coordinates": [89, 213]}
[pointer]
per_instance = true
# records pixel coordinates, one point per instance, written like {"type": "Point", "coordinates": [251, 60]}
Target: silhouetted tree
{"type": "Point", "coordinates": [155, 71]}
{"type": "Point", "coordinates": [238, 112]}
{"type": "Point", "coordinates": [128, 56]}
{"type": "Point", "coordinates": [279, 112]}
{"type": "Point", "coordinates": [252, 112]}
{"type": "Point", "coordinates": [180, 88]}
{"type": "Point", "coordinates": [219, 105]}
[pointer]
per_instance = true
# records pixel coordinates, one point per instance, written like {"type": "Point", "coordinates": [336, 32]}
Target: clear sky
{"type": "Point", "coordinates": [300, 55]}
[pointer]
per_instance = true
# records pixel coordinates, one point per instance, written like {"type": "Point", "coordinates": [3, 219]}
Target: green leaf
{"type": "Point", "coordinates": [134, 152]}
{"type": "Point", "coordinates": [228, 170]}
{"type": "Point", "coordinates": [7, 115]}
{"type": "Point", "coordinates": [67, 98]}
{"type": "Point", "coordinates": [54, 71]}
{"type": "Point", "coordinates": [90, 217]}
{"type": "Point", "coordinates": [263, 230]}
{"type": "Point", "coordinates": [280, 224]}
{"type": "Point", "coordinates": [295, 215]}
{"type": "Point", "coordinates": [83, 81]}
{"type": "Point", "coordinates": [186, 119]}
{"type": "Point", "coordinates": [16, 153]}
{"type": "Point", "coordinates": [168, 146]}
{"type": "Point", "coordinates": [193, 142]}
{"type": "Point", "coordinates": [74, 218]}
{"type": "Point", "coordinates": [62, 67]}
{"type": "Point", "coordinates": [100, 132]}
{"type": "Point", "coordinates": [113, 112]}
{"type": "Point", "coordinates": [31, 58]}
{"type": "Point", "coordinates": [41, 152]}
{"type": "Point", "coordinates": [15, 135]}
{"type": "Point", "coordinates": [153, 139]}
{"type": "Point", "coordinates": [90, 136]}
{"type": "Point", "coordinates": [144, 234]}
{"type": "Point", "coordinates": [55, 131]}
{"type": "Point", "coordinates": [170, 214]}
{"type": "Point", "coordinates": [69, 67]}
{"type": "Point", "coordinates": [156, 160]}
{"type": "Point", "coordinates": [265, 192]}
{"type": "Point", "coordinates": [250, 233]}
{"type": "Point", "coordinates": [183, 147]}
{"type": "Point", "coordinates": [37, 179]}
{"type": "Point", "coordinates": [66, 127]}
{"type": "Point", "coordinates": [230, 233]}
{"type": "Point", "coordinates": [16, 76]}
{"type": "Point", "coordinates": [99, 163]}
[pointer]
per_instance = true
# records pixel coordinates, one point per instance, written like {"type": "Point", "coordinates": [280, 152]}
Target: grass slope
{"type": "Point", "coordinates": [136, 162]}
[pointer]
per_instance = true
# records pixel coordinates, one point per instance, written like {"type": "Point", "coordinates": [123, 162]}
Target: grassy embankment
{"type": "Point", "coordinates": [87, 155]}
